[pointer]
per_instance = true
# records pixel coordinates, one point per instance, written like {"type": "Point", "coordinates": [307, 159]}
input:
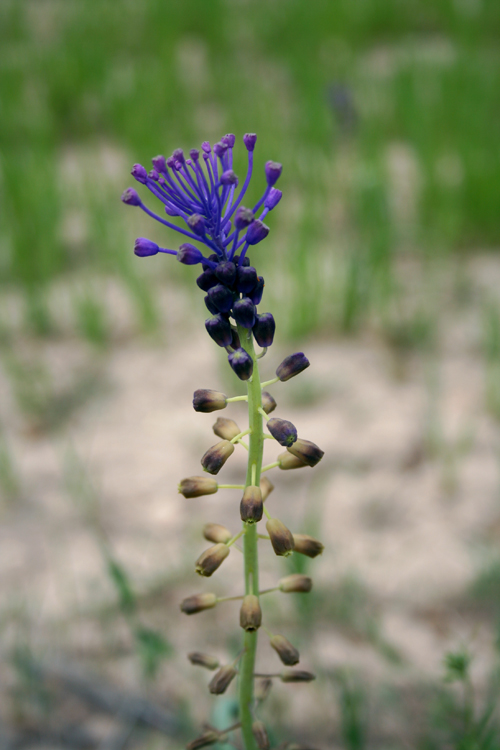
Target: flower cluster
{"type": "Point", "coordinates": [203, 193]}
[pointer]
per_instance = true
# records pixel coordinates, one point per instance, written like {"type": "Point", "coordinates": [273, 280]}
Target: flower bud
{"type": "Point", "coordinates": [178, 155]}
{"type": "Point", "coordinates": [283, 431]}
{"type": "Point", "coordinates": [295, 584]}
{"type": "Point", "coordinates": [216, 456]}
{"type": "Point", "coordinates": [258, 291]}
{"type": "Point", "coordinates": [226, 429]}
{"type": "Point", "coordinates": [251, 506]}
{"type": "Point", "coordinates": [197, 224]}
{"type": "Point", "coordinates": [153, 175]}
{"type": "Point", "coordinates": [206, 147]}
{"type": "Point", "coordinates": [243, 218]}
{"type": "Point", "coordinates": [235, 341]}
{"type": "Point", "coordinates": [159, 163]}
{"type": "Point", "coordinates": [245, 264]}
{"type": "Point", "coordinates": [266, 487]}
{"type": "Point", "coordinates": [307, 545]}
{"type": "Point", "coordinates": [308, 452]}
{"type": "Point", "coordinates": [286, 652]}
{"type": "Point", "coordinates": [215, 532]}
{"type": "Point", "coordinates": [296, 675]}
{"type": "Point", "coordinates": [273, 172]}
{"type": "Point", "coordinates": [241, 363]}
{"type": "Point", "coordinates": [194, 154]}
{"type": "Point", "coordinates": [268, 402]}
{"type": "Point", "coordinates": [143, 247]}
{"type": "Point", "coordinates": [203, 660]}
{"type": "Point", "coordinates": [131, 197]}
{"type": "Point", "coordinates": [246, 279]}
{"type": "Point", "coordinates": [206, 280]}
{"type": "Point", "coordinates": [262, 689]}
{"type": "Point", "coordinates": [170, 209]}
{"type": "Point", "coordinates": [244, 312]}
{"type": "Point", "coordinates": [211, 559]}
{"type": "Point", "coordinates": [286, 461]}
{"type": "Point", "coordinates": [139, 173]}
{"type": "Point", "coordinates": [250, 613]}
{"type": "Point", "coordinates": [256, 232]}
{"type": "Point", "coordinates": [264, 329]}
{"type": "Point", "coordinates": [219, 330]}
{"type": "Point", "coordinates": [273, 198]}
{"type": "Point", "coordinates": [210, 737]}
{"type": "Point", "coordinates": [291, 366]}
{"type": "Point", "coordinates": [197, 603]}
{"type": "Point", "coordinates": [228, 139]}
{"type": "Point", "coordinates": [213, 258]}
{"type": "Point", "coordinates": [221, 297]}
{"type": "Point", "coordinates": [210, 306]}
{"type": "Point", "coordinates": [222, 679]}
{"type": "Point", "coordinates": [260, 734]}
{"type": "Point", "coordinates": [206, 400]}
{"type": "Point", "coordinates": [249, 139]}
{"type": "Point", "coordinates": [198, 486]}
{"type": "Point", "coordinates": [189, 254]}
{"type": "Point", "coordinates": [226, 272]}
{"type": "Point", "coordinates": [281, 537]}
{"type": "Point", "coordinates": [229, 178]}
{"type": "Point", "coordinates": [220, 149]}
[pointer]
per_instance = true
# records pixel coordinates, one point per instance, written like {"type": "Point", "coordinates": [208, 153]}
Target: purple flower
{"type": "Point", "coordinates": [144, 247]}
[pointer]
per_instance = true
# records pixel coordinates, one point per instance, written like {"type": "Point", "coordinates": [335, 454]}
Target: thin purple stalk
{"type": "Point", "coordinates": [245, 184]}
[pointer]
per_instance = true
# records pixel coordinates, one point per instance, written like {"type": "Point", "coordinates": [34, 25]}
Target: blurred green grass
{"type": "Point", "coordinates": [386, 116]}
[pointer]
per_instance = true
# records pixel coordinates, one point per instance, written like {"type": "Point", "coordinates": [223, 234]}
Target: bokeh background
{"type": "Point", "coordinates": [382, 265]}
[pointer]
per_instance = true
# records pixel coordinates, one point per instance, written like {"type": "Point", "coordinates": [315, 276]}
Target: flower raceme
{"type": "Point", "coordinates": [202, 193]}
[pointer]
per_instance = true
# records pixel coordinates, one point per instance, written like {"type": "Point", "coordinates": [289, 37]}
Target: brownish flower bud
{"type": "Point", "coordinates": [308, 452]}
{"type": "Point", "coordinates": [207, 738]}
{"type": "Point", "coordinates": [216, 533]}
{"type": "Point", "coordinates": [268, 402]}
{"type": "Point", "coordinates": [211, 559]}
{"type": "Point", "coordinates": [266, 487]}
{"type": "Point", "coordinates": [296, 583]}
{"type": "Point", "coordinates": [198, 603]}
{"type": "Point", "coordinates": [203, 660]}
{"type": "Point", "coordinates": [197, 486]}
{"type": "Point", "coordinates": [260, 734]}
{"type": "Point", "coordinates": [205, 400]}
{"type": "Point", "coordinates": [286, 461]}
{"type": "Point", "coordinates": [281, 537]}
{"type": "Point", "coordinates": [227, 429]}
{"type": "Point", "coordinates": [296, 675]}
{"type": "Point", "coordinates": [251, 506]}
{"type": "Point", "coordinates": [286, 652]}
{"type": "Point", "coordinates": [250, 613]}
{"type": "Point", "coordinates": [307, 545]}
{"type": "Point", "coordinates": [216, 456]}
{"type": "Point", "coordinates": [221, 680]}
{"type": "Point", "coordinates": [263, 688]}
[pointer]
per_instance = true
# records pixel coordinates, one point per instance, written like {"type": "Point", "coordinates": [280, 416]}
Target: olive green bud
{"type": "Point", "coordinates": [296, 675]}
{"type": "Point", "coordinates": [308, 452]}
{"type": "Point", "coordinates": [221, 680]}
{"type": "Point", "coordinates": [268, 402]}
{"type": "Point", "coordinates": [211, 559]}
{"type": "Point", "coordinates": [251, 506]}
{"type": "Point", "coordinates": [216, 456]}
{"type": "Point", "coordinates": [197, 603]}
{"type": "Point", "coordinates": [286, 461]}
{"type": "Point", "coordinates": [281, 537]}
{"type": "Point", "coordinates": [260, 734]}
{"type": "Point", "coordinates": [295, 583]}
{"type": "Point", "coordinates": [207, 738]}
{"type": "Point", "coordinates": [250, 613]}
{"type": "Point", "coordinates": [216, 533]}
{"type": "Point", "coordinates": [266, 487]}
{"type": "Point", "coordinates": [206, 400]}
{"type": "Point", "coordinates": [227, 429]}
{"type": "Point", "coordinates": [286, 652]}
{"type": "Point", "coordinates": [197, 486]}
{"type": "Point", "coordinates": [203, 660]}
{"type": "Point", "coordinates": [262, 689]}
{"type": "Point", "coordinates": [307, 545]}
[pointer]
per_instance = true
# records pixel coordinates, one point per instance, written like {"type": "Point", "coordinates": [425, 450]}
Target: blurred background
{"type": "Point", "coordinates": [382, 265]}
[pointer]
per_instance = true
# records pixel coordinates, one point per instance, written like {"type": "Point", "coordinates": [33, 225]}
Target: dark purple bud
{"type": "Point", "coordinates": [189, 254]}
{"type": "Point", "coordinates": [281, 537]}
{"type": "Point", "coordinates": [216, 456]}
{"type": "Point", "coordinates": [153, 174]}
{"type": "Point", "coordinates": [246, 279]}
{"type": "Point", "coordinates": [257, 231]}
{"type": "Point", "coordinates": [144, 247]}
{"type": "Point", "coordinates": [220, 149]}
{"type": "Point", "coordinates": [219, 329]}
{"type": "Point", "coordinates": [250, 613]}
{"type": "Point", "coordinates": [252, 505]}
{"type": "Point", "coordinates": [268, 402]}
{"type": "Point", "coordinates": [256, 294]}
{"type": "Point", "coordinates": [246, 261]}
{"type": "Point", "coordinates": [170, 162]}
{"type": "Point", "coordinates": [283, 431]}
{"type": "Point", "coordinates": [197, 224]}
{"type": "Point", "coordinates": [229, 178]}
{"type": "Point", "coordinates": [159, 163]}
{"type": "Point", "coordinates": [206, 147]}
{"type": "Point", "coordinates": [206, 280]}
{"type": "Point", "coordinates": [241, 363]}
{"type": "Point", "coordinates": [244, 312]}
{"type": "Point", "coordinates": [273, 172]}
{"type": "Point", "coordinates": [194, 154]}
{"type": "Point", "coordinates": [264, 329]}
{"type": "Point", "coordinates": [235, 343]}
{"type": "Point", "coordinates": [249, 139]}
{"type": "Point", "coordinates": [207, 400]}
{"type": "Point", "coordinates": [243, 217]}
{"type": "Point", "coordinates": [210, 306]}
{"type": "Point", "coordinates": [273, 198]}
{"type": "Point", "coordinates": [139, 173]}
{"type": "Point", "coordinates": [131, 197]}
{"type": "Point", "coordinates": [306, 451]}
{"type": "Point", "coordinates": [178, 155]}
{"type": "Point", "coordinates": [226, 272]}
{"type": "Point", "coordinates": [211, 559]}
{"type": "Point", "coordinates": [171, 210]}
{"type": "Point", "coordinates": [213, 257]}
{"type": "Point", "coordinates": [291, 366]}
{"type": "Point", "coordinates": [221, 297]}
{"type": "Point", "coordinates": [229, 140]}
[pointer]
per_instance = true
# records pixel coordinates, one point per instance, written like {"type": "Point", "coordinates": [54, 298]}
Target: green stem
{"type": "Point", "coordinates": [251, 563]}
